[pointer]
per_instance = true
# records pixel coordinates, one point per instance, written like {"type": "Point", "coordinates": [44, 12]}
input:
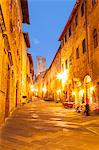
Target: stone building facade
{"type": "Point", "coordinates": [52, 83]}
{"type": "Point", "coordinates": [47, 84]}
{"type": "Point", "coordinates": [78, 76]}
{"type": "Point", "coordinates": [13, 51]}
{"type": "Point", "coordinates": [80, 51]}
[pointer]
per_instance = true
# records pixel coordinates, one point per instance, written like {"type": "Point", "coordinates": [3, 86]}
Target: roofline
{"type": "Point", "coordinates": [70, 18]}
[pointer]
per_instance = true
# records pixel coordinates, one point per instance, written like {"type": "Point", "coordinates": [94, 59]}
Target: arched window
{"type": "Point", "coordinates": [95, 38]}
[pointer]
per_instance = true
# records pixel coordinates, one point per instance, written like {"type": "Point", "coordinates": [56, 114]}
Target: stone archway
{"type": "Point", "coordinates": [87, 89]}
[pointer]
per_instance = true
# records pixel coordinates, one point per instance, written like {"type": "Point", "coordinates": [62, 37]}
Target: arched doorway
{"type": "Point", "coordinates": [89, 89]}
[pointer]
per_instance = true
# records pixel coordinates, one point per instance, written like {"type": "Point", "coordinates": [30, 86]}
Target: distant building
{"type": "Point", "coordinates": [41, 65]}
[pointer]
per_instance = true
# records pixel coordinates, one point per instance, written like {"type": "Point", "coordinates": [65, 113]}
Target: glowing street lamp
{"type": "Point", "coordinates": [63, 75]}
{"type": "Point", "coordinates": [73, 93]}
{"type": "Point", "coordinates": [32, 88]}
{"type": "Point", "coordinates": [36, 91]}
{"type": "Point", "coordinates": [59, 76]}
{"type": "Point", "coordinates": [92, 89]}
{"type": "Point", "coordinates": [44, 89]}
{"type": "Point", "coordinates": [81, 93]}
{"type": "Point", "coordinates": [58, 91]}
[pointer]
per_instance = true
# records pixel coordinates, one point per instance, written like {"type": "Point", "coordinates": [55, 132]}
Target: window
{"type": "Point", "coordinates": [65, 37]}
{"type": "Point", "coordinates": [70, 60]}
{"type": "Point", "coordinates": [82, 9]}
{"type": "Point", "coordinates": [66, 64]}
{"type": "Point", "coordinates": [77, 53]}
{"type": "Point", "coordinates": [93, 2]}
{"type": "Point", "coordinates": [84, 46]}
{"type": "Point", "coordinates": [62, 43]}
{"type": "Point", "coordinates": [76, 20]}
{"type": "Point", "coordinates": [69, 31]}
{"type": "Point", "coordinates": [95, 38]}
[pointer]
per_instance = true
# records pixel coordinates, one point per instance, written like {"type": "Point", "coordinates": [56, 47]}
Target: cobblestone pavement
{"type": "Point", "coordinates": [48, 126]}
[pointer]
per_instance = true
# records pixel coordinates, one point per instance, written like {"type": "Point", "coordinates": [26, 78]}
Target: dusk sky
{"type": "Point", "coordinates": [47, 20]}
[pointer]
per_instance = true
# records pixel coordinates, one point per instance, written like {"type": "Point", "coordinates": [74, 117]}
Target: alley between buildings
{"type": "Point", "coordinates": [42, 125]}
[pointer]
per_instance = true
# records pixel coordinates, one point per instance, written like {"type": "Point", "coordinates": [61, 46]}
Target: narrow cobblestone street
{"type": "Point", "coordinates": [44, 125]}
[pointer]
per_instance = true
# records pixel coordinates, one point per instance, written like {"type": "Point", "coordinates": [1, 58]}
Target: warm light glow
{"type": "Point", "coordinates": [91, 89]}
{"type": "Point", "coordinates": [36, 89]}
{"type": "Point", "coordinates": [58, 91]}
{"type": "Point", "coordinates": [44, 89]}
{"type": "Point", "coordinates": [87, 79]}
{"type": "Point", "coordinates": [32, 88]}
{"type": "Point", "coordinates": [91, 100]}
{"type": "Point", "coordinates": [59, 76]}
{"type": "Point", "coordinates": [64, 78]}
{"type": "Point", "coordinates": [81, 93]}
{"type": "Point", "coordinates": [63, 75]}
{"type": "Point", "coordinates": [73, 93]}
{"type": "Point", "coordinates": [78, 83]}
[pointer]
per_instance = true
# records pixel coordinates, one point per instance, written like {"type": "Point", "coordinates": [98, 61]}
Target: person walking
{"type": "Point", "coordinates": [86, 109]}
